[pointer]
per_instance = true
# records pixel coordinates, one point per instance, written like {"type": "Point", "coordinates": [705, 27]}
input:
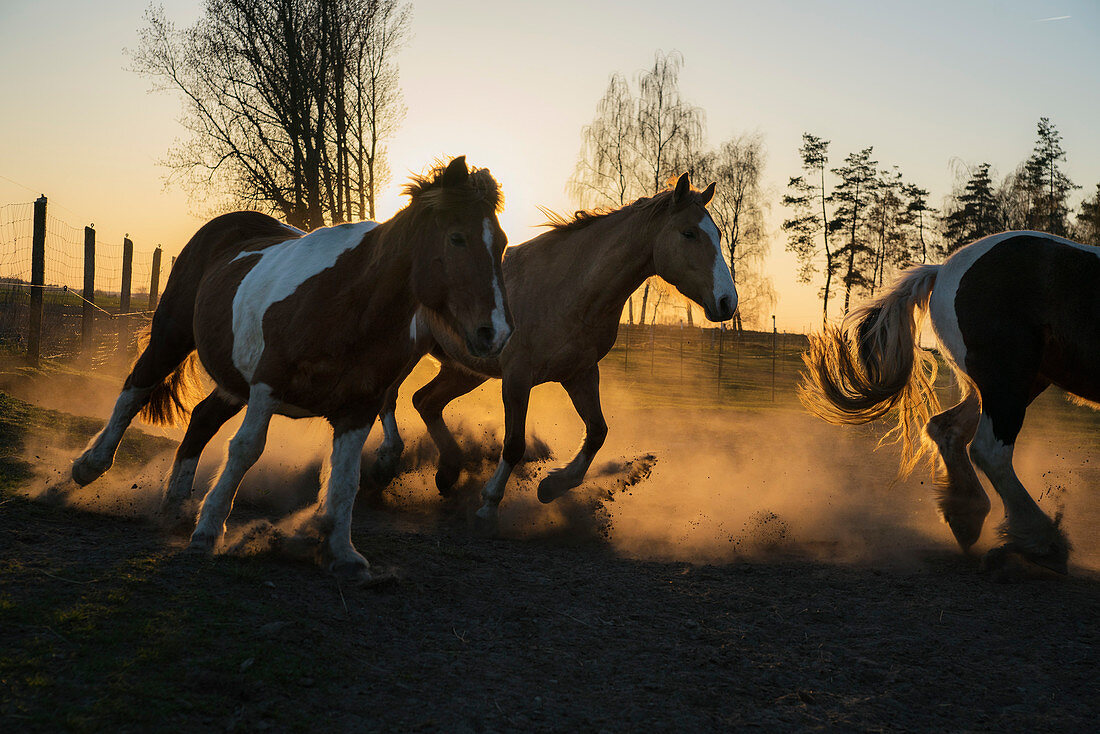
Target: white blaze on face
{"type": "Point", "coordinates": [723, 281]}
{"type": "Point", "coordinates": [276, 275]}
{"type": "Point", "coordinates": [500, 320]}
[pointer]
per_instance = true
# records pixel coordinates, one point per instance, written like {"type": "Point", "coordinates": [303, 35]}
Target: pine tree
{"type": "Point", "coordinates": [1050, 185]}
{"type": "Point", "coordinates": [1088, 220]}
{"type": "Point", "coordinates": [916, 210]}
{"type": "Point", "coordinates": [808, 198]}
{"type": "Point", "coordinates": [974, 212]}
{"type": "Point", "coordinates": [853, 197]}
{"type": "Point", "coordinates": [887, 218]}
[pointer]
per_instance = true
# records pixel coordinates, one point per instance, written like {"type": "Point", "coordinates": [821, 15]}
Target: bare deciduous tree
{"type": "Point", "coordinates": [738, 209]}
{"type": "Point", "coordinates": [637, 143]}
{"type": "Point", "coordinates": [281, 97]}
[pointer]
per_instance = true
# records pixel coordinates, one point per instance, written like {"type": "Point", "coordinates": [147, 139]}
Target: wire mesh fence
{"type": "Point", "coordinates": [93, 323]}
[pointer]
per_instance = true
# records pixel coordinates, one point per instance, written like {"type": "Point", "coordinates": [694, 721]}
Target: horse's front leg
{"type": "Point", "coordinates": [584, 391]}
{"type": "Point", "coordinates": [244, 451]}
{"type": "Point", "coordinates": [338, 499]}
{"type": "Point", "coordinates": [517, 395]}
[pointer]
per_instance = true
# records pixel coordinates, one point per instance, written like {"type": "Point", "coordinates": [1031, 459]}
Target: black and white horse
{"type": "Point", "coordinates": [1014, 313]}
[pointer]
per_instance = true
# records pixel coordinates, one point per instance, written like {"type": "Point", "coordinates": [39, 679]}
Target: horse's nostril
{"type": "Point", "coordinates": [485, 335]}
{"type": "Point", "coordinates": [725, 305]}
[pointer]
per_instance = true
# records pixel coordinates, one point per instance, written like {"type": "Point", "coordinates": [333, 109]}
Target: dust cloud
{"type": "Point", "coordinates": [706, 483]}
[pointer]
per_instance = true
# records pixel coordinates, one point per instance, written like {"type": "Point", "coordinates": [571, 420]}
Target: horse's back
{"type": "Point", "coordinates": [1029, 299]}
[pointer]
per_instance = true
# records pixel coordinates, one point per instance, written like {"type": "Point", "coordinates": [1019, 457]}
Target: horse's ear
{"type": "Point", "coordinates": [707, 195]}
{"type": "Point", "coordinates": [680, 193]}
{"type": "Point", "coordinates": [456, 173]}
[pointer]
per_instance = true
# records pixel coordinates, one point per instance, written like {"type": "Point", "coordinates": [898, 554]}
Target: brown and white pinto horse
{"type": "Point", "coordinates": [311, 325]}
{"type": "Point", "coordinates": [567, 288]}
{"type": "Point", "coordinates": [1014, 313]}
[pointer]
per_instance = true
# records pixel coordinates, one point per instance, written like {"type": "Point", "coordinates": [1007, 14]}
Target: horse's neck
{"type": "Point", "coordinates": [623, 255]}
{"type": "Point", "coordinates": [382, 269]}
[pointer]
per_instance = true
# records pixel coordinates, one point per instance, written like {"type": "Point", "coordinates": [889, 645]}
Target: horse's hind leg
{"type": "Point", "coordinates": [164, 353]}
{"type": "Point", "coordinates": [1027, 529]}
{"type": "Point", "coordinates": [388, 456]}
{"type": "Point", "coordinates": [429, 401]}
{"type": "Point", "coordinates": [962, 499]}
{"type": "Point", "coordinates": [244, 451]}
{"type": "Point", "coordinates": [206, 419]}
{"type": "Point", "coordinates": [584, 391]}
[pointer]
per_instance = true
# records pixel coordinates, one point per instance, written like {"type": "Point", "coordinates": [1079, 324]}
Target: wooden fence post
{"type": "Point", "coordinates": [652, 346]}
{"type": "Point", "coordinates": [154, 280]}
{"type": "Point", "coordinates": [681, 351]}
{"type": "Point", "coordinates": [38, 280]}
{"type": "Point", "coordinates": [87, 315]}
{"type": "Point", "coordinates": [773, 357]}
{"type": "Point", "coordinates": [626, 348]}
{"type": "Point", "coordinates": [124, 297]}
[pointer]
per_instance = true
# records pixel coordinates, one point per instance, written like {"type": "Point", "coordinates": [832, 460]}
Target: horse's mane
{"type": "Point", "coordinates": [428, 189]}
{"type": "Point", "coordinates": [648, 205]}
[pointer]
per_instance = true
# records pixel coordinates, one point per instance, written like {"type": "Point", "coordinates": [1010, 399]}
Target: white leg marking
{"type": "Point", "coordinates": [99, 456]}
{"type": "Point", "coordinates": [500, 320]}
{"type": "Point", "coordinates": [1026, 522]}
{"type": "Point", "coordinates": [244, 451]}
{"type": "Point", "coordinates": [339, 494]}
{"type": "Point", "coordinates": [494, 490]}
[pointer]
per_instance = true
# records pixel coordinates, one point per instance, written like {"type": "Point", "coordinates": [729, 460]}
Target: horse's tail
{"type": "Point", "coordinates": [873, 363]}
{"type": "Point", "coordinates": [172, 399]}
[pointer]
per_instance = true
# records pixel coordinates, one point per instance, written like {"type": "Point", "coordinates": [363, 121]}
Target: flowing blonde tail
{"type": "Point", "coordinates": [873, 363]}
{"type": "Point", "coordinates": [171, 401]}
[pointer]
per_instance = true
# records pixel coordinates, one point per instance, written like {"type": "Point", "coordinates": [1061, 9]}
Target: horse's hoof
{"type": "Point", "coordinates": [201, 544]}
{"type": "Point", "coordinates": [172, 517]}
{"type": "Point", "coordinates": [446, 476]}
{"type": "Point", "coordinates": [354, 573]}
{"type": "Point", "coordinates": [1011, 563]}
{"type": "Point", "coordinates": [965, 530]}
{"type": "Point", "coordinates": [382, 473]}
{"type": "Point", "coordinates": [486, 521]}
{"type": "Point", "coordinates": [554, 485]}
{"type": "Point", "coordinates": [84, 472]}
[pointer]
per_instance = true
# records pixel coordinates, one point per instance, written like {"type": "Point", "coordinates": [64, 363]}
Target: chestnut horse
{"type": "Point", "coordinates": [315, 325]}
{"type": "Point", "coordinates": [567, 288]}
{"type": "Point", "coordinates": [1014, 313]}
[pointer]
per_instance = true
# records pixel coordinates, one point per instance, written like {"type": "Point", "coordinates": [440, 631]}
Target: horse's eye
{"type": "Point", "coordinates": [688, 234]}
{"type": "Point", "coordinates": [458, 239]}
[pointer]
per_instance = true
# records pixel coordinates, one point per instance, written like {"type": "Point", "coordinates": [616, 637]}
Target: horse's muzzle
{"type": "Point", "coordinates": [723, 310]}
{"type": "Point", "coordinates": [487, 341]}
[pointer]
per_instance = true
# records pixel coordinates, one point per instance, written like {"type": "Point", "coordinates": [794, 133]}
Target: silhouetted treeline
{"type": "Point", "coordinates": [853, 227]}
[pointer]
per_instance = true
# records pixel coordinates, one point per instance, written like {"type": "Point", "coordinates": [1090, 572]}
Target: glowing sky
{"type": "Point", "coordinates": [510, 84]}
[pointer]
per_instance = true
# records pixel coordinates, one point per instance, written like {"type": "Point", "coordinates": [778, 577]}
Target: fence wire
{"type": "Point", "coordinates": [63, 293]}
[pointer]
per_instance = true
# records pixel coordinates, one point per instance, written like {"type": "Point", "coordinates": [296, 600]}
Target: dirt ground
{"type": "Point", "coordinates": [595, 621]}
